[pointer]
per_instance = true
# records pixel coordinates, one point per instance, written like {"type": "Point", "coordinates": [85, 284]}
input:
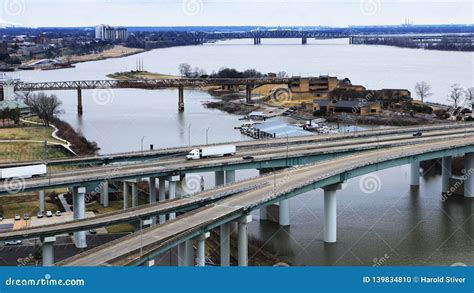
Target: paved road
{"type": "Point", "coordinates": [241, 145]}
{"type": "Point", "coordinates": [130, 248]}
{"type": "Point", "coordinates": [180, 166]}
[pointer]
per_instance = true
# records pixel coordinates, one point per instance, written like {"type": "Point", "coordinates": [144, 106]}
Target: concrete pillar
{"type": "Point", "coordinates": [79, 102]}
{"type": "Point", "coordinates": [125, 195]}
{"type": "Point", "coordinates": [48, 251]}
{"type": "Point", "coordinates": [242, 242]}
{"type": "Point", "coordinates": [79, 208]}
{"type": "Point", "coordinates": [172, 192]}
{"type": "Point", "coordinates": [446, 171]}
{"type": "Point", "coordinates": [229, 176]}
{"type": "Point", "coordinates": [415, 174]}
{"type": "Point", "coordinates": [189, 259]}
{"type": "Point", "coordinates": [225, 244]}
{"type": "Point", "coordinates": [469, 177]}
{"type": "Point", "coordinates": [134, 194]}
{"type": "Point", "coordinates": [330, 213]}
{"type": "Point", "coordinates": [149, 263]}
{"type": "Point", "coordinates": [248, 93]}
{"type": "Point", "coordinates": [219, 176]}
{"type": "Point", "coordinates": [182, 254]}
{"type": "Point", "coordinates": [181, 99]}
{"type": "Point", "coordinates": [304, 41]}
{"type": "Point", "coordinates": [162, 196]}
{"type": "Point", "coordinates": [152, 188]}
{"type": "Point", "coordinates": [42, 198]}
{"type": "Point", "coordinates": [201, 249]}
{"type": "Point", "coordinates": [104, 192]}
{"type": "Point", "coordinates": [284, 212]}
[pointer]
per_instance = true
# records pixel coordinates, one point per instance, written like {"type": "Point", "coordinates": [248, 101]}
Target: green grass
{"type": "Point", "coordinates": [21, 204]}
{"type": "Point", "coordinates": [28, 151]}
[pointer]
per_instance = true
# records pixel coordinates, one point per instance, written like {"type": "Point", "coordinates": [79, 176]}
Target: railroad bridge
{"type": "Point", "coordinates": [151, 84]}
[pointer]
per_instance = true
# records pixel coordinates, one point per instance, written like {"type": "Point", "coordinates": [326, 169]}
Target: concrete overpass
{"type": "Point", "coordinates": [140, 156]}
{"type": "Point", "coordinates": [139, 248]}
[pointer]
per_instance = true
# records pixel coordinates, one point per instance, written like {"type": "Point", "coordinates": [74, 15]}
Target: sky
{"type": "Point", "coordinates": [70, 13]}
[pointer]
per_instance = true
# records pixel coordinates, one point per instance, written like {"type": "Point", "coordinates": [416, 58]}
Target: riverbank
{"type": "Point", "coordinates": [135, 75]}
{"type": "Point", "coordinates": [115, 52]}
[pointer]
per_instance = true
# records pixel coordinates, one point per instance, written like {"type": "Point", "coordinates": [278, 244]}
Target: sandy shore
{"type": "Point", "coordinates": [115, 52]}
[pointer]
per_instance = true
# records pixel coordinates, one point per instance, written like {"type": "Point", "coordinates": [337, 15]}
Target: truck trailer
{"type": "Point", "coordinates": [213, 151]}
{"type": "Point", "coordinates": [24, 171]}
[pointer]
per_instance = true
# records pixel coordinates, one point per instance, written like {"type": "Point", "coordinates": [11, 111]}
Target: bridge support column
{"type": "Point", "coordinates": [152, 190]}
{"type": "Point", "coordinates": [135, 194]}
{"type": "Point", "coordinates": [79, 102]}
{"type": "Point", "coordinates": [172, 192]}
{"type": "Point", "coordinates": [284, 212]}
{"type": "Point", "coordinates": [42, 201]}
{"type": "Point", "coordinates": [330, 213]}
{"type": "Point", "coordinates": [220, 179]}
{"type": "Point", "coordinates": [229, 176]}
{"type": "Point", "coordinates": [248, 93]}
{"type": "Point", "coordinates": [48, 251]}
{"type": "Point", "coordinates": [225, 244]}
{"type": "Point", "coordinates": [469, 181]}
{"type": "Point", "coordinates": [446, 171]}
{"type": "Point", "coordinates": [201, 249]}
{"type": "Point", "coordinates": [79, 211]}
{"type": "Point", "coordinates": [304, 41]}
{"type": "Point", "coordinates": [189, 246]}
{"type": "Point", "coordinates": [104, 193]}
{"type": "Point", "coordinates": [162, 196]}
{"type": "Point", "coordinates": [181, 254]}
{"type": "Point", "coordinates": [242, 241]}
{"type": "Point", "coordinates": [125, 195]}
{"type": "Point", "coordinates": [415, 174]}
{"type": "Point", "coordinates": [181, 99]}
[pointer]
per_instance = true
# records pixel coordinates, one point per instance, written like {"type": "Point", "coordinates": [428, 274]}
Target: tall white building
{"type": "Point", "coordinates": [107, 33]}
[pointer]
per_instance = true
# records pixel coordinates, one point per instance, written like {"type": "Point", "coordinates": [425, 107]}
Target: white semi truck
{"type": "Point", "coordinates": [24, 171]}
{"type": "Point", "coordinates": [212, 151]}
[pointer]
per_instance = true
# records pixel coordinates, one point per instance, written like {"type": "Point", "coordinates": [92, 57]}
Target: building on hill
{"type": "Point", "coordinates": [362, 108]}
{"type": "Point", "coordinates": [321, 86]}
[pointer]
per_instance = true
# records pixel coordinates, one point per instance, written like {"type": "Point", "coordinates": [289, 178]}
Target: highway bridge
{"type": "Point", "coordinates": [269, 158]}
{"type": "Point", "coordinates": [140, 156]}
{"type": "Point", "coordinates": [139, 248]}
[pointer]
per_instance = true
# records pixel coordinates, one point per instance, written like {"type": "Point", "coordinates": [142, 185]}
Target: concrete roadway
{"type": "Point", "coordinates": [159, 238]}
{"type": "Point", "coordinates": [201, 199]}
{"type": "Point", "coordinates": [252, 144]}
{"type": "Point", "coordinates": [262, 155]}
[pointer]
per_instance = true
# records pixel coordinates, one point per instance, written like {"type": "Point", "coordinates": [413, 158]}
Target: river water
{"type": "Point", "coordinates": [391, 226]}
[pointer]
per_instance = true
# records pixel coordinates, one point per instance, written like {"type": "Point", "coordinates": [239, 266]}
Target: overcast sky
{"type": "Point", "coordinates": [233, 12]}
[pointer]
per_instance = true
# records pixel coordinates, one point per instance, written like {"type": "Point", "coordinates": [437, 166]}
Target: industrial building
{"type": "Point", "coordinates": [363, 108]}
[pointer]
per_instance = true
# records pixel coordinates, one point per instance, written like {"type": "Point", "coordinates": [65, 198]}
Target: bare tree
{"type": "Point", "coordinates": [282, 74]}
{"type": "Point", "coordinates": [185, 70]}
{"type": "Point", "coordinates": [456, 94]}
{"type": "Point", "coordinates": [44, 106]}
{"type": "Point", "coordinates": [423, 90]}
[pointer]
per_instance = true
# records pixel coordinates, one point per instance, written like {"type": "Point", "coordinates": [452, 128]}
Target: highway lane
{"type": "Point", "coordinates": [184, 204]}
{"type": "Point", "coordinates": [179, 165]}
{"type": "Point", "coordinates": [128, 249]}
{"type": "Point", "coordinates": [166, 152]}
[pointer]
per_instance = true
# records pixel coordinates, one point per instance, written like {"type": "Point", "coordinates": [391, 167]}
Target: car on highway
{"type": "Point", "coordinates": [417, 134]}
{"type": "Point", "coordinates": [49, 214]}
{"type": "Point", "coordinates": [1, 217]}
{"type": "Point", "coordinates": [93, 231]}
{"type": "Point", "coordinates": [26, 216]}
{"type": "Point", "coordinates": [13, 242]}
{"type": "Point", "coordinates": [40, 215]}
{"type": "Point", "coordinates": [248, 158]}
{"type": "Point", "coordinates": [58, 214]}
{"type": "Point", "coordinates": [17, 217]}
